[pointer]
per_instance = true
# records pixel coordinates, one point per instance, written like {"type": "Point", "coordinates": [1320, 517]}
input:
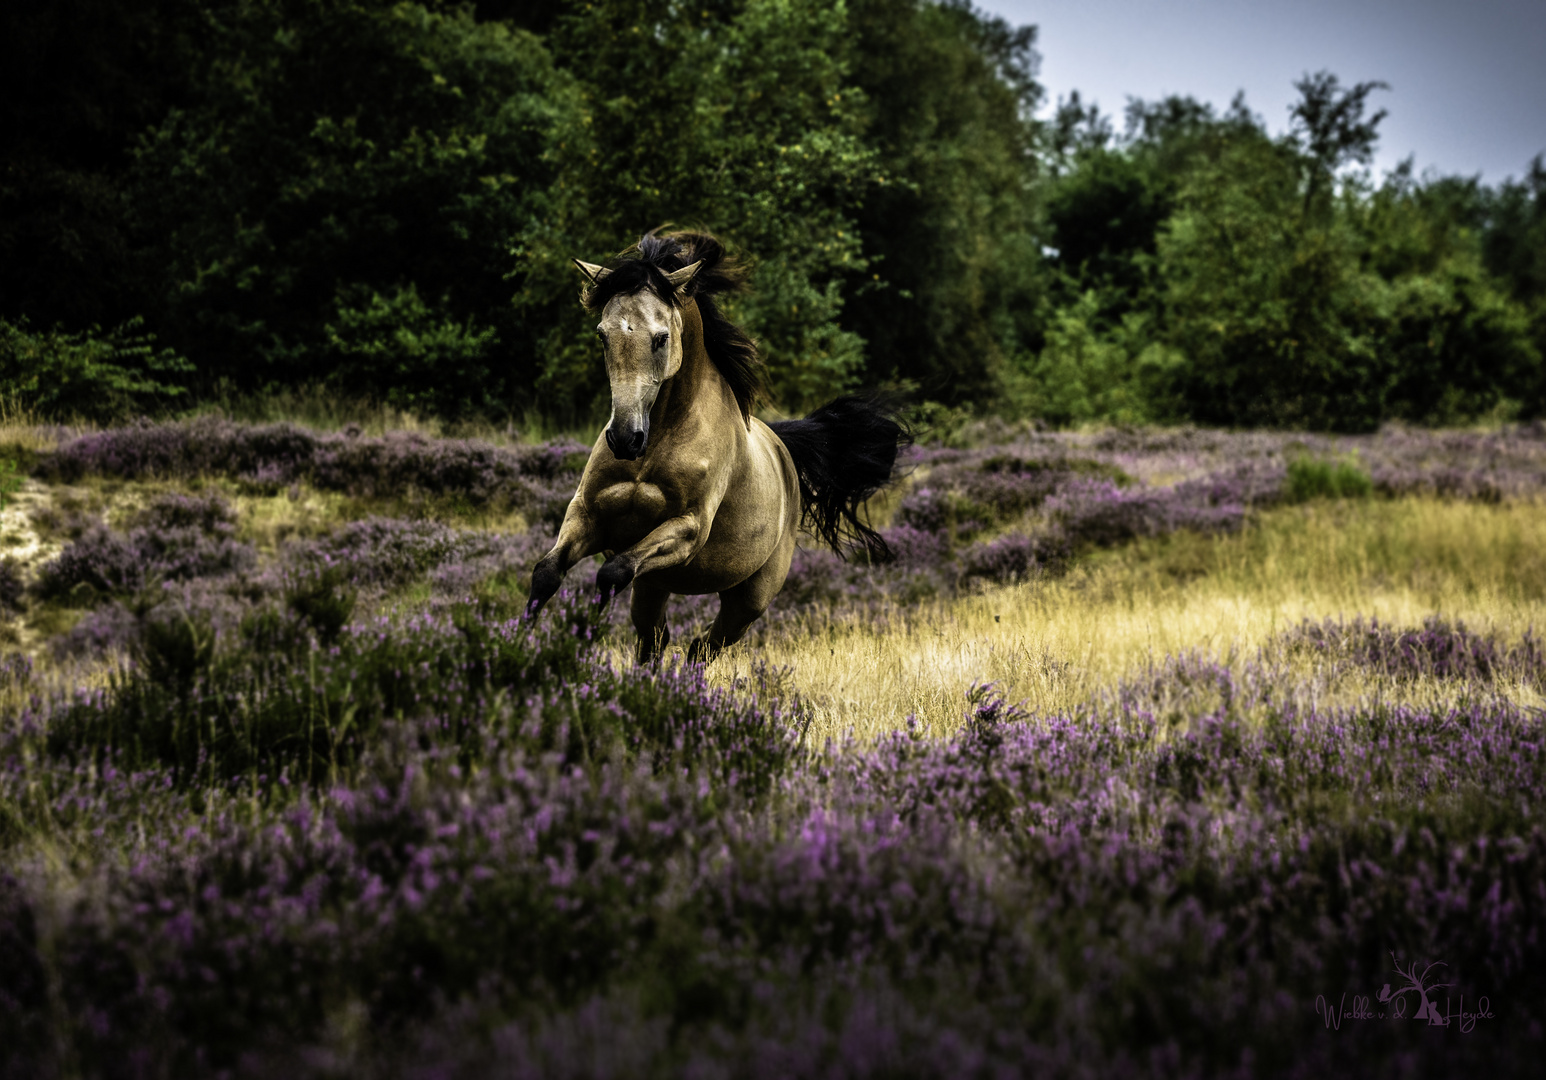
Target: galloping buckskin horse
{"type": "Point", "coordinates": [685, 490]}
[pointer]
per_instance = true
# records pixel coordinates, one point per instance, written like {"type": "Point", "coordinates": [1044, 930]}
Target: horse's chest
{"type": "Point", "coordinates": [628, 510]}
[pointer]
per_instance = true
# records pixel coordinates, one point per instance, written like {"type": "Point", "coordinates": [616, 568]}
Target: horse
{"type": "Point", "coordinates": [685, 490]}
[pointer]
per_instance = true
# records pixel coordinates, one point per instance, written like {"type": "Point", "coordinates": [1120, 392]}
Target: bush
{"type": "Point", "coordinates": [92, 375]}
{"type": "Point", "coordinates": [1311, 479]}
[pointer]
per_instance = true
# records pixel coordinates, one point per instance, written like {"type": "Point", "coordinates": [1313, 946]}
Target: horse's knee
{"type": "Point", "coordinates": [545, 580]}
{"type": "Point", "coordinates": [613, 578]}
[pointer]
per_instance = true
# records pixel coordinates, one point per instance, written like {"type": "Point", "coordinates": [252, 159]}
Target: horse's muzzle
{"type": "Point", "coordinates": [628, 445]}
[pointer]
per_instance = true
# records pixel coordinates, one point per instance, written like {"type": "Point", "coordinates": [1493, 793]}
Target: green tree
{"type": "Point", "coordinates": [345, 159]}
{"type": "Point", "coordinates": [733, 115]}
{"type": "Point", "coordinates": [1256, 299]}
{"type": "Point", "coordinates": [1514, 251]}
{"type": "Point", "coordinates": [948, 97]}
{"type": "Point", "coordinates": [1458, 344]}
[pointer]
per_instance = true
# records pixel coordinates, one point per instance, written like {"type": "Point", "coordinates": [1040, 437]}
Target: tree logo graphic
{"type": "Point", "coordinates": [1426, 1009]}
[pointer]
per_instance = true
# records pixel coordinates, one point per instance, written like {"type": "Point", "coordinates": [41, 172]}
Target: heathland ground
{"type": "Point", "coordinates": [287, 784]}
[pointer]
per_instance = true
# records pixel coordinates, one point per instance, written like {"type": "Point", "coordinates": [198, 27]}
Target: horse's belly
{"type": "Point", "coordinates": [717, 567]}
{"type": "Point", "coordinates": [745, 534]}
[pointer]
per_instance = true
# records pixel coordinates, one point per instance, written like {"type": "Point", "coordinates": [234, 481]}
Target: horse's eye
{"type": "Point", "coordinates": [659, 341]}
{"type": "Point", "coordinates": [602, 334]}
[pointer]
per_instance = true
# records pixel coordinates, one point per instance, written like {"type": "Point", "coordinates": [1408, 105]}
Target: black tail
{"type": "Point", "coordinates": [845, 452]}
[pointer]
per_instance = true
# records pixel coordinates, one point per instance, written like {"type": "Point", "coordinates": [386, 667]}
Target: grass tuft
{"type": "Point", "coordinates": [1309, 479]}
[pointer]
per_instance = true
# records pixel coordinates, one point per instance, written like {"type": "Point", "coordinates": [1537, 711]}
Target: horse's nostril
{"type": "Point", "coordinates": [627, 445]}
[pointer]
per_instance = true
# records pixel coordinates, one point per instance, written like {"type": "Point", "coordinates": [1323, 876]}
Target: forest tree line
{"type": "Point", "coordinates": [381, 198]}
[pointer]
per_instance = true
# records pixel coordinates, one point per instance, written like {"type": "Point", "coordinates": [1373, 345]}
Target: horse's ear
{"type": "Point", "coordinates": [592, 272]}
{"type": "Point", "coordinates": [680, 278]}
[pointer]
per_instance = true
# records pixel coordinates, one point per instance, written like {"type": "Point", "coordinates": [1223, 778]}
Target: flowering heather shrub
{"type": "Point", "coordinates": [102, 561]}
{"type": "Point", "coordinates": [111, 628]}
{"type": "Point", "coordinates": [206, 513]}
{"type": "Point", "coordinates": [15, 670]}
{"type": "Point", "coordinates": [107, 563]}
{"type": "Point", "coordinates": [979, 507]}
{"type": "Point", "coordinates": [207, 446]}
{"type": "Point", "coordinates": [495, 557]}
{"type": "Point", "coordinates": [312, 836]}
{"type": "Point", "coordinates": [260, 700]}
{"type": "Point", "coordinates": [1439, 649]}
{"type": "Point", "coordinates": [1100, 514]}
{"type": "Point", "coordinates": [537, 480]}
{"type": "Point", "coordinates": [1089, 893]}
{"type": "Point", "coordinates": [164, 569]}
{"type": "Point", "coordinates": [965, 494]}
{"type": "Point", "coordinates": [1013, 557]}
{"type": "Point", "coordinates": [925, 510]}
{"type": "Point", "coordinates": [172, 554]}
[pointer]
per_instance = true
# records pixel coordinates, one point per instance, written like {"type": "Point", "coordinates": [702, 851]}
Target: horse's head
{"type": "Point", "coordinates": [641, 335]}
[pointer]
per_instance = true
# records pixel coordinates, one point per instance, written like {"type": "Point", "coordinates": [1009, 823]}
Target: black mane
{"type": "Point", "coordinates": [646, 265]}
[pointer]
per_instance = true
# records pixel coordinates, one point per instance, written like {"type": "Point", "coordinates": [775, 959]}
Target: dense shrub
{"type": "Point", "coordinates": [1309, 479]}
{"type": "Point", "coordinates": [1439, 649]}
{"type": "Point", "coordinates": [92, 374]}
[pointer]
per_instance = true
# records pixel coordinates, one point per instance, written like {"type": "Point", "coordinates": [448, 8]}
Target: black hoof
{"type": "Point", "coordinates": [653, 647]}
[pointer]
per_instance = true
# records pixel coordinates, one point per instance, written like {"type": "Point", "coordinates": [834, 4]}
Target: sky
{"type": "Point", "coordinates": [1467, 77]}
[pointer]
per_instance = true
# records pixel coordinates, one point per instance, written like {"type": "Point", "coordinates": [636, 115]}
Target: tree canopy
{"type": "Point", "coordinates": [383, 197]}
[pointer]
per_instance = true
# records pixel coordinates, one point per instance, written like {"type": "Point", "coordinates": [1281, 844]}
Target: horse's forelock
{"type": "Point", "coordinates": [627, 277]}
{"type": "Point", "coordinates": [654, 256]}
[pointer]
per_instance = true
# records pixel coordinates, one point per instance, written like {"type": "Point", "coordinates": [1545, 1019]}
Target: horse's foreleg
{"type": "Point", "coordinates": [576, 540]}
{"type": "Point", "coordinates": [671, 543]}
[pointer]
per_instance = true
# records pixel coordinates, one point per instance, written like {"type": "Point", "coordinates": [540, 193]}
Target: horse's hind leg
{"type": "Point", "coordinates": [738, 609]}
{"type": "Point", "coordinates": [743, 605]}
{"type": "Point", "coordinates": [648, 611]}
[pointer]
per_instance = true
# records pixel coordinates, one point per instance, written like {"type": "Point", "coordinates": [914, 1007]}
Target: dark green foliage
{"type": "Point", "coordinates": [271, 699]}
{"type": "Point", "coordinates": [340, 198]}
{"type": "Point", "coordinates": [92, 374]}
{"type": "Point", "coordinates": [1207, 271]}
{"type": "Point", "coordinates": [175, 650]}
{"type": "Point", "coordinates": [948, 94]}
{"type": "Point", "coordinates": [1311, 479]}
{"type": "Point", "coordinates": [733, 114]}
{"type": "Point", "coordinates": [1103, 219]}
{"type": "Point", "coordinates": [383, 198]}
{"type": "Point", "coordinates": [79, 81]}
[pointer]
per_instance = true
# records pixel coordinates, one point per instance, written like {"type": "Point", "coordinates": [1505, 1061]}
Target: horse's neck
{"type": "Point", "coordinates": [697, 380]}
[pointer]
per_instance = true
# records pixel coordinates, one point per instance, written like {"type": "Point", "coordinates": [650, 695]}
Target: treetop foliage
{"type": "Point", "coordinates": [383, 197]}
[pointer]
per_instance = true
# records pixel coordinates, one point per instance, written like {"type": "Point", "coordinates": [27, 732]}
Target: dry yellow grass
{"type": "Point", "coordinates": [21, 428]}
{"type": "Point", "coordinates": [1055, 643]}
